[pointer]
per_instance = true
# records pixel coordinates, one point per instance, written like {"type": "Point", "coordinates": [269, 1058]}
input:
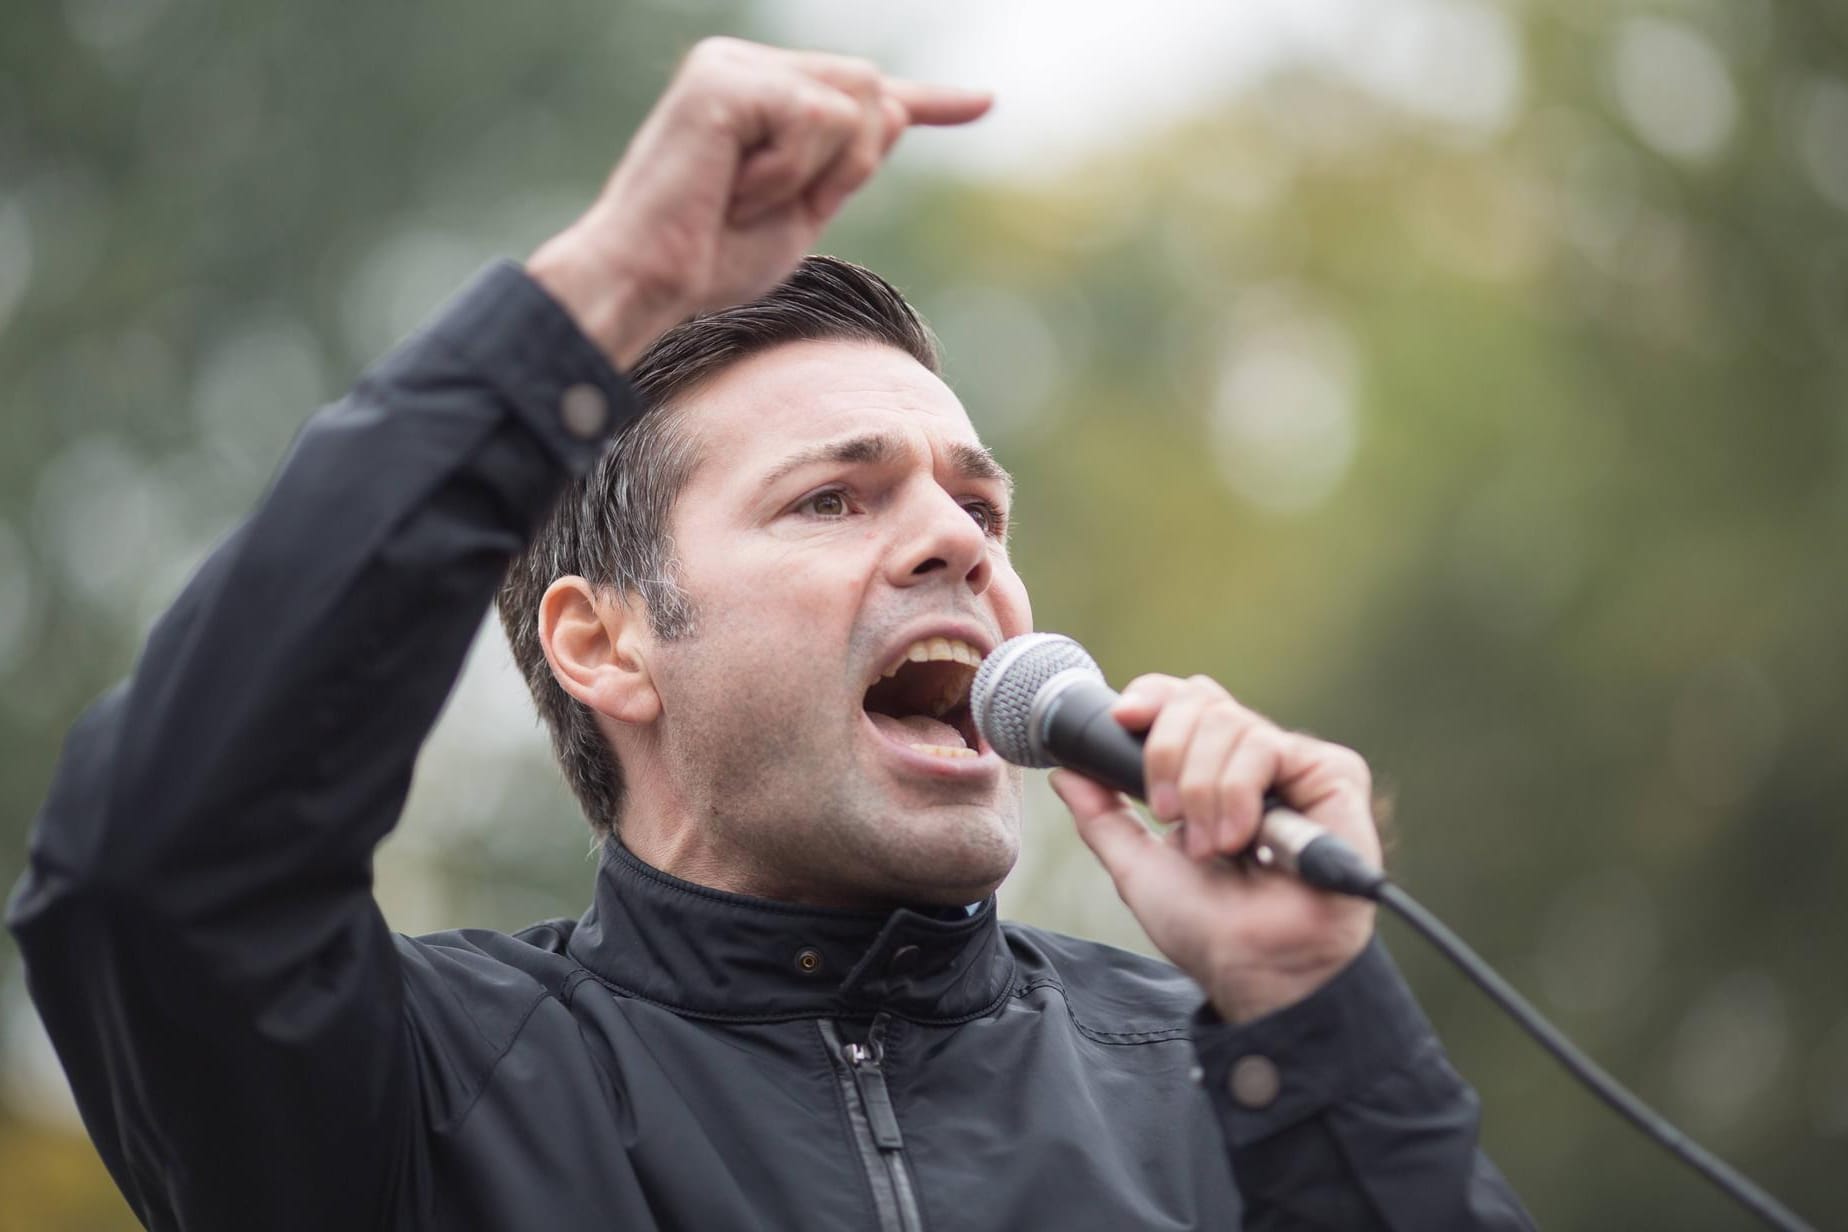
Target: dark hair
{"type": "Point", "coordinates": [610, 526]}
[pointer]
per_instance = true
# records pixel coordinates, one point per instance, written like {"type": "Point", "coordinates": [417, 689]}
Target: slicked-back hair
{"type": "Point", "coordinates": [610, 526]}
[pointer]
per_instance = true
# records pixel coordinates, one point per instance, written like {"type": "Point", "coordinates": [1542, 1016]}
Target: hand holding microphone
{"type": "Point", "coordinates": [1253, 940]}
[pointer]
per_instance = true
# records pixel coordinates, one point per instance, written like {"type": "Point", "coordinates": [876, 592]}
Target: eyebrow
{"type": "Point", "coordinates": [878, 448]}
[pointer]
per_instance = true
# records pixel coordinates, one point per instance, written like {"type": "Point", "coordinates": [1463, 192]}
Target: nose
{"type": "Point", "coordinates": [941, 542]}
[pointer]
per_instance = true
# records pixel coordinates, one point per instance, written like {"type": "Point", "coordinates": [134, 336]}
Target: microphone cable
{"type": "Point", "coordinates": [1294, 844]}
{"type": "Point", "coordinates": [1039, 700]}
{"type": "Point", "coordinates": [1729, 1179]}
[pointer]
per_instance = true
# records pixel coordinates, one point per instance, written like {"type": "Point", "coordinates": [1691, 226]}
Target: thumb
{"type": "Point", "coordinates": [1108, 826]}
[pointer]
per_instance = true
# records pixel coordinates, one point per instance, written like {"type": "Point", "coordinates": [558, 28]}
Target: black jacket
{"type": "Point", "coordinates": [252, 1048]}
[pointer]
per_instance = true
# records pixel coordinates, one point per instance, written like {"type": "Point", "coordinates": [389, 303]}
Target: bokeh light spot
{"type": "Point", "coordinates": [15, 257]}
{"type": "Point", "coordinates": [102, 518]}
{"type": "Point", "coordinates": [1674, 88]}
{"type": "Point", "coordinates": [1001, 357]}
{"type": "Point", "coordinates": [1598, 943]}
{"type": "Point", "coordinates": [258, 382]}
{"type": "Point", "coordinates": [1822, 138]}
{"type": "Point", "coordinates": [16, 598]}
{"type": "Point", "coordinates": [1455, 62]}
{"type": "Point", "coordinates": [1729, 1047]}
{"type": "Point", "coordinates": [1284, 424]}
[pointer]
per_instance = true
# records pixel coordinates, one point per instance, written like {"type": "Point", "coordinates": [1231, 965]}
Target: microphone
{"type": "Point", "coordinates": [1040, 700]}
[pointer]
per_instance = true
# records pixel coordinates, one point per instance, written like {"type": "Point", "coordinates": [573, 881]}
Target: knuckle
{"type": "Point", "coordinates": [862, 164]}
{"type": "Point", "coordinates": [1243, 782]}
{"type": "Point", "coordinates": [1234, 796]}
{"type": "Point", "coordinates": [860, 75]}
{"type": "Point", "coordinates": [841, 109]}
{"type": "Point", "coordinates": [813, 107]}
{"type": "Point", "coordinates": [1261, 743]}
{"type": "Point", "coordinates": [1199, 795]}
{"type": "Point", "coordinates": [1162, 756]}
{"type": "Point", "coordinates": [1250, 772]}
{"type": "Point", "coordinates": [714, 50]}
{"type": "Point", "coordinates": [1352, 765]}
{"type": "Point", "coordinates": [1355, 796]}
{"type": "Point", "coordinates": [1225, 714]}
{"type": "Point", "coordinates": [1153, 682]}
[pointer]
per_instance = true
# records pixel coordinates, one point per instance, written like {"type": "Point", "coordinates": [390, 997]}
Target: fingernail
{"type": "Point", "coordinates": [1165, 800]}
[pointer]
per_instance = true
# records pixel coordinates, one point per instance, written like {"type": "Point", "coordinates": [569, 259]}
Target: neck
{"type": "Point", "coordinates": [662, 832]}
{"type": "Point", "coordinates": [692, 837]}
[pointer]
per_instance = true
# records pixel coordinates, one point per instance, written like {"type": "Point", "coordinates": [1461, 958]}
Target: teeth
{"type": "Point", "coordinates": [945, 750]}
{"type": "Point", "coordinates": [938, 649]}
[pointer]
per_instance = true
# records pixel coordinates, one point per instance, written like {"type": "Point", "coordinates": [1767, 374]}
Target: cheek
{"type": "Point", "coordinates": [794, 595]}
{"type": "Point", "coordinates": [1012, 606]}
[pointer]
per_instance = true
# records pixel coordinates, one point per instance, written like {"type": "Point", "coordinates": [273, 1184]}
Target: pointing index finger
{"type": "Point", "coordinates": [926, 103]}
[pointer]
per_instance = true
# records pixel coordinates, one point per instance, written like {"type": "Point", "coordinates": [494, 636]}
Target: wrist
{"type": "Point", "coordinates": [1247, 992]}
{"type": "Point", "coordinates": [617, 310]}
{"type": "Point", "coordinates": [1252, 998]}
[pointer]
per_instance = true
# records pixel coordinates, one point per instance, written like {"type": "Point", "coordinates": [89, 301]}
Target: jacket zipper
{"type": "Point", "coordinates": [860, 1070]}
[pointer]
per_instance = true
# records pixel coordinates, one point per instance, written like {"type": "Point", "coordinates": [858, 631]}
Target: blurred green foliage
{"type": "Point", "coordinates": [1508, 446]}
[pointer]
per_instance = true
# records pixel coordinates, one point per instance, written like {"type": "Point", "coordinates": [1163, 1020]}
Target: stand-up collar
{"type": "Point", "coordinates": [712, 954]}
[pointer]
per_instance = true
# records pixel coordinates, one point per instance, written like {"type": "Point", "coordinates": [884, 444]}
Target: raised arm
{"type": "Point", "coordinates": [196, 916]}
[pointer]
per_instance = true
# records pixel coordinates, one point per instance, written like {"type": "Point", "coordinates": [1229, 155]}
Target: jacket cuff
{"type": "Point", "coordinates": [514, 335]}
{"type": "Point", "coordinates": [1270, 1073]}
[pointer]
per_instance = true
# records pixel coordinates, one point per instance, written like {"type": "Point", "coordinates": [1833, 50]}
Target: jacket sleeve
{"type": "Point", "coordinates": [1342, 1112]}
{"type": "Point", "coordinates": [197, 917]}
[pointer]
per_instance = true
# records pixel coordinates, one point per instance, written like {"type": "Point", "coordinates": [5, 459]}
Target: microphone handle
{"type": "Point", "coordinates": [1072, 725]}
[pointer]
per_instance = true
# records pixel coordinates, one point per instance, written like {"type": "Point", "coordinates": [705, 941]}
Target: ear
{"type": "Point", "coordinates": [598, 648]}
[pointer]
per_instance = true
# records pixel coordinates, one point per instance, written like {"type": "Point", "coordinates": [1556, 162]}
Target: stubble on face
{"type": "Point", "coordinates": [787, 790]}
{"type": "Point", "coordinates": [773, 767]}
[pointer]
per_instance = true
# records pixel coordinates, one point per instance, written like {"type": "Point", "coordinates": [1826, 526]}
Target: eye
{"type": "Point", "coordinates": [829, 503]}
{"type": "Point", "coordinates": [987, 516]}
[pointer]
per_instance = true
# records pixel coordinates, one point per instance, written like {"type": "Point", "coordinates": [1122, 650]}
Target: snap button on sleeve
{"type": "Point", "coordinates": [808, 960]}
{"type": "Point", "coordinates": [1254, 1081]}
{"type": "Point", "coordinates": [584, 410]}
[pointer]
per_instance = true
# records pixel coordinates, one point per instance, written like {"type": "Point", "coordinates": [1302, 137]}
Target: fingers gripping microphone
{"type": "Point", "coordinates": [1040, 700]}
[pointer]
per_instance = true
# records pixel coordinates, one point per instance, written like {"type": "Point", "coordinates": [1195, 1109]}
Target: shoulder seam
{"type": "Point", "coordinates": [487, 1075]}
{"type": "Point", "coordinates": [1160, 1035]}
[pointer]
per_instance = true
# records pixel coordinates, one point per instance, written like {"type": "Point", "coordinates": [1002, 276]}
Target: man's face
{"type": "Point", "coordinates": [843, 518]}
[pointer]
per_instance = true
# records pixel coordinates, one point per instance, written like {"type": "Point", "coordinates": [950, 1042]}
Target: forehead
{"type": "Point", "coordinates": [800, 393]}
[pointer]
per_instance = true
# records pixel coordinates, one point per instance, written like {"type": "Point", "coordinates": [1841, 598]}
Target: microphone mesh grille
{"type": "Point", "coordinates": [1001, 699]}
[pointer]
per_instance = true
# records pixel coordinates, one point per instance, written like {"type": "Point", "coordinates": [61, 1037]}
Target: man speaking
{"type": "Point", "coordinates": [749, 585]}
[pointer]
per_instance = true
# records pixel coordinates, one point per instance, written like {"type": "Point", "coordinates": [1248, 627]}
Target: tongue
{"type": "Point", "coordinates": [917, 729]}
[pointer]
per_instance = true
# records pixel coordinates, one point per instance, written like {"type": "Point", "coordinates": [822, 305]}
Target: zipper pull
{"type": "Point", "coordinates": [863, 1060]}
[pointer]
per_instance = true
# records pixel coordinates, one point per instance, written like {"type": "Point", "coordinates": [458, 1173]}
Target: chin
{"type": "Point", "coordinates": [959, 863]}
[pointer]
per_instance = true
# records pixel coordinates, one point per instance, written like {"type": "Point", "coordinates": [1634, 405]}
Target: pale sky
{"type": "Point", "coordinates": [1072, 75]}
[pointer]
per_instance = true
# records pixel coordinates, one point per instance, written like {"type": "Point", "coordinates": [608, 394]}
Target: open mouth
{"type": "Point", "coordinates": [923, 699]}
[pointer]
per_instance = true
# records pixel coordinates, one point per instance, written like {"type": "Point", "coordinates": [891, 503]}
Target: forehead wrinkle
{"type": "Point", "coordinates": [867, 448]}
{"type": "Point", "coordinates": [971, 461]}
